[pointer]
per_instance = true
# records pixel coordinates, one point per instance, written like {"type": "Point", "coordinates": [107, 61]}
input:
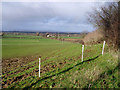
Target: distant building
{"type": "Point", "coordinates": [48, 35]}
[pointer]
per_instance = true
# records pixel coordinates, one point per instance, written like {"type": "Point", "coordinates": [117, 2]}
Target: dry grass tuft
{"type": "Point", "coordinates": [93, 37]}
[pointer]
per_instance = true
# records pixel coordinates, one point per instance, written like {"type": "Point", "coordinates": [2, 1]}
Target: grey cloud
{"type": "Point", "coordinates": [46, 16]}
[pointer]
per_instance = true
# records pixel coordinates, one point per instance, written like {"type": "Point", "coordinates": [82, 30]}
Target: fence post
{"type": "Point", "coordinates": [39, 65]}
{"type": "Point", "coordinates": [82, 52]}
{"type": "Point", "coordinates": [103, 47]}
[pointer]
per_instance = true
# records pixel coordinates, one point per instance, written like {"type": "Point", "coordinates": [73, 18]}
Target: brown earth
{"type": "Point", "coordinates": [20, 62]}
{"type": "Point", "coordinates": [20, 65]}
{"type": "Point", "coordinates": [13, 63]}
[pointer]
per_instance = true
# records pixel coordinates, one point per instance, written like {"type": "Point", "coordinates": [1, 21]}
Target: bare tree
{"type": "Point", "coordinates": [106, 18]}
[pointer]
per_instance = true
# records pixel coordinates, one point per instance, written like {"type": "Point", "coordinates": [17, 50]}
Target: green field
{"type": "Point", "coordinates": [22, 36]}
{"type": "Point", "coordinates": [13, 47]}
{"type": "Point", "coordinates": [81, 36]}
{"type": "Point", "coordinates": [72, 37]}
{"type": "Point", "coordinates": [61, 65]}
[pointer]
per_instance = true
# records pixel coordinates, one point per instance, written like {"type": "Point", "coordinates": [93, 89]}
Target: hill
{"type": "Point", "coordinates": [61, 65]}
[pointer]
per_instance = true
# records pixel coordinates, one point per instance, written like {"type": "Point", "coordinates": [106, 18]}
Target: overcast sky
{"type": "Point", "coordinates": [46, 16]}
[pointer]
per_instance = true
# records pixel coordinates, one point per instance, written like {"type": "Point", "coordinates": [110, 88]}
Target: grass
{"type": "Point", "coordinates": [71, 37]}
{"type": "Point", "coordinates": [81, 36]}
{"type": "Point", "coordinates": [13, 47]}
{"type": "Point", "coordinates": [97, 71]}
{"type": "Point", "coordinates": [21, 36]}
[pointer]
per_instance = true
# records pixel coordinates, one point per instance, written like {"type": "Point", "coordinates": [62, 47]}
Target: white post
{"type": "Point", "coordinates": [103, 48]}
{"type": "Point", "coordinates": [82, 52]}
{"type": "Point", "coordinates": [39, 66]}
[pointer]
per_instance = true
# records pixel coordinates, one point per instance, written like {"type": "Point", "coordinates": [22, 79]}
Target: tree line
{"type": "Point", "coordinates": [107, 19]}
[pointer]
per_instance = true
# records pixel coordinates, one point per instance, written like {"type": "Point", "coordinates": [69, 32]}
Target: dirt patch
{"type": "Point", "coordinates": [14, 63]}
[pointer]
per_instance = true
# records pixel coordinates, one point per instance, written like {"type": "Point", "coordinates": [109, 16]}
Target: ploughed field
{"type": "Point", "coordinates": [61, 65]}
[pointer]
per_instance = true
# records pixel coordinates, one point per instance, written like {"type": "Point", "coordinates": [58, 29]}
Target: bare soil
{"type": "Point", "coordinates": [12, 64]}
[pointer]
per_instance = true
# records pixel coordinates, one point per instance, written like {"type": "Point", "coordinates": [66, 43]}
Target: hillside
{"type": "Point", "coordinates": [61, 65]}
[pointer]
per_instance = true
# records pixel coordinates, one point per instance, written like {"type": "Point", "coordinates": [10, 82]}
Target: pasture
{"type": "Point", "coordinates": [61, 65]}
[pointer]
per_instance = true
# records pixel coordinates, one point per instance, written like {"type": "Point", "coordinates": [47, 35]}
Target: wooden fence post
{"type": "Point", "coordinates": [39, 65]}
{"type": "Point", "coordinates": [103, 47]}
{"type": "Point", "coordinates": [82, 52]}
